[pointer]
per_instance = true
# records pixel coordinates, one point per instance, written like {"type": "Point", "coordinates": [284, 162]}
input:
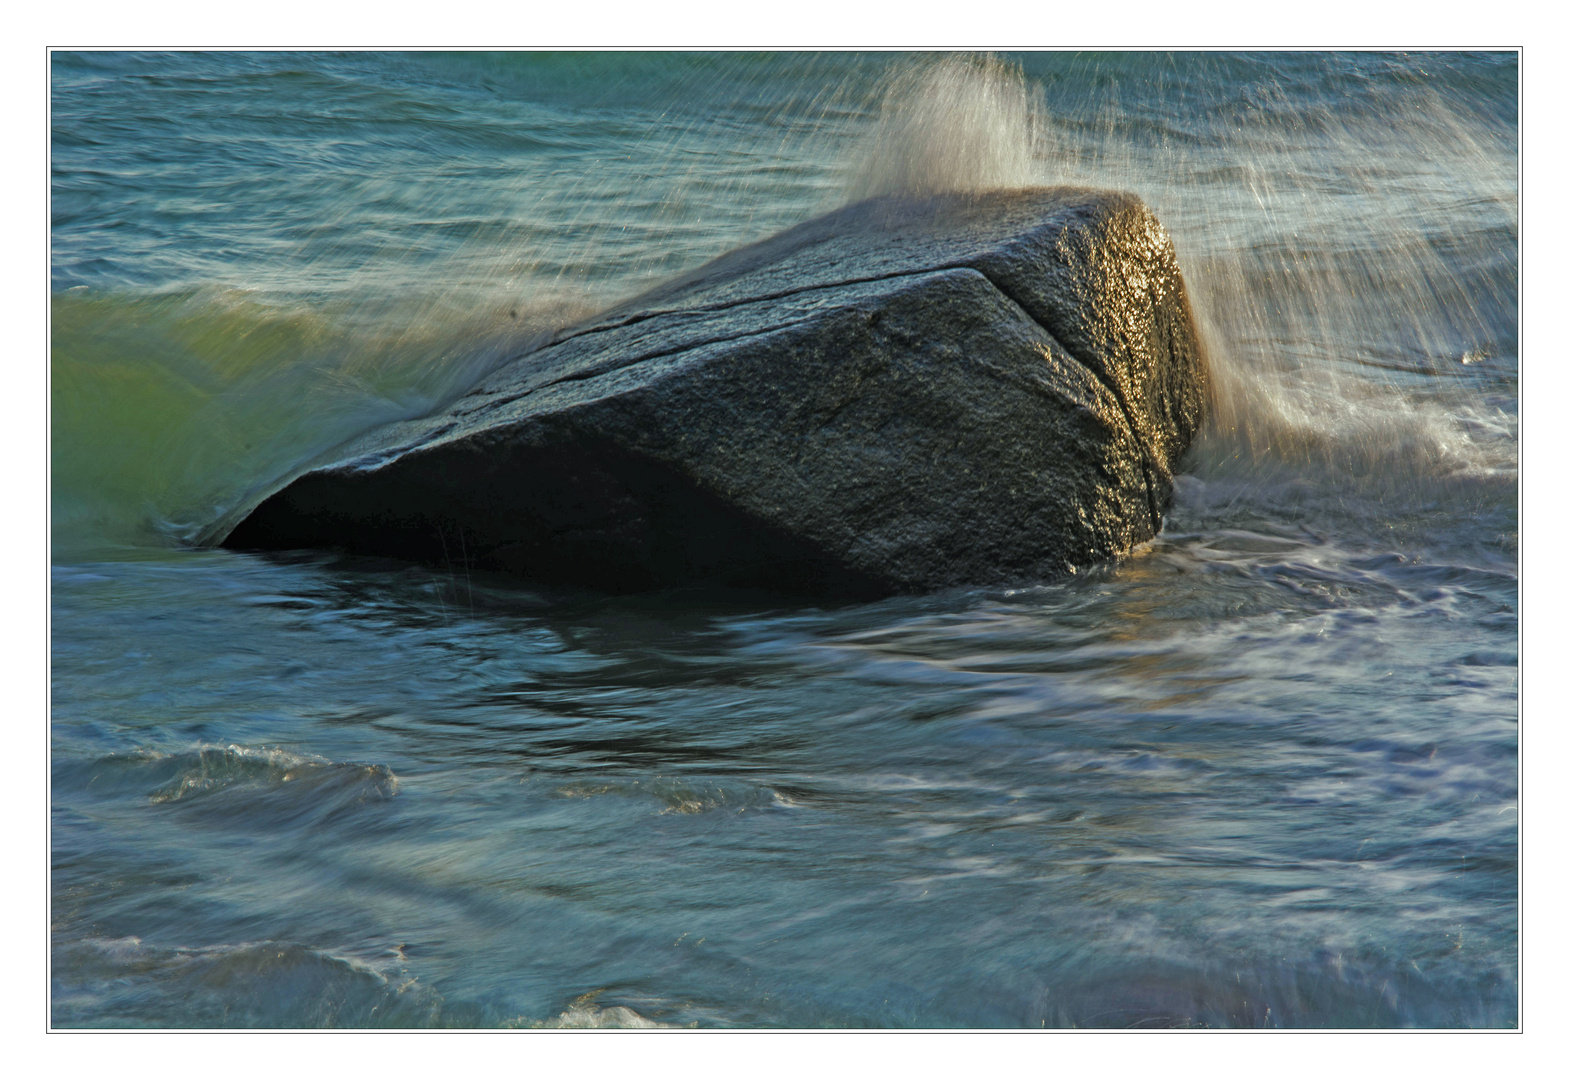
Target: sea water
{"type": "Point", "coordinates": [1260, 772]}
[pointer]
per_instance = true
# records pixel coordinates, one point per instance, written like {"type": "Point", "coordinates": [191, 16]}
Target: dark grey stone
{"type": "Point", "coordinates": [900, 396]}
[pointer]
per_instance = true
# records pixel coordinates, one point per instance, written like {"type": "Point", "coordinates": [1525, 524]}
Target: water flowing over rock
{"type": "Point", "coordinates": [900, 396]}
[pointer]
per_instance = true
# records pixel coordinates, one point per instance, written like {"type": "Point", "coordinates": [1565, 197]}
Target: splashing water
{"type": "Point", "coordinates": [950, 125]}
{"type": "Point", "coordinates": [1260, 772]}
{"type": "Point", "coordinates": [1324, 271]}
{"type": "Point", "coordinates": [1321, 272]}
{"type": "Point", "coordinates": [1337, 241]}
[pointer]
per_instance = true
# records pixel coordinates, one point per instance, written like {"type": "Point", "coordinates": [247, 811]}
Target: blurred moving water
{"type": "Point", "coordinates": [1261, 772]}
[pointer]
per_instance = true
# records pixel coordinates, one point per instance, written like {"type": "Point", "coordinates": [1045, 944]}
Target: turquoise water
{"type": "Point", "coordinates": [1261, 772]}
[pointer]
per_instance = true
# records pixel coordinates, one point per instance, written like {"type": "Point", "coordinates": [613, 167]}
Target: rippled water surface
{"type": "Point", "coordinates": [1261, 772]}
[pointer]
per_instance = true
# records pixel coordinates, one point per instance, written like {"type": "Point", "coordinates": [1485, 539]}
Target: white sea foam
{"type": "Point", "coordinates": [1282, 292]}
{"type": "Point", "coordinates": [588, 1015]}
{"type": "Point", "coordinates": [244, 984]}
{"type": "Point", "coordinates": [209, 768]}
{"type": "Point", "coordinates": [959, 123]}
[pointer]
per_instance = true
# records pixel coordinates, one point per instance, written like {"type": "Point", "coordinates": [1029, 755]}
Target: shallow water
{"type": "Point", "coordinates": [1261, 772]}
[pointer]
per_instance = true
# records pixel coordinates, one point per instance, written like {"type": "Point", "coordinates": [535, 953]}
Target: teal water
{"type": "Point", "coordinates": [1261, 772]}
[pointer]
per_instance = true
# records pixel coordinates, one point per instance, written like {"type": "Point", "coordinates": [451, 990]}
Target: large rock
{"type": "Point", "coordinates": [900, 396]}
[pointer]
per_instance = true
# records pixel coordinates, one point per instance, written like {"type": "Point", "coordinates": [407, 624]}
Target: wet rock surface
{"type": "Point", "coordinates": [900, 396]}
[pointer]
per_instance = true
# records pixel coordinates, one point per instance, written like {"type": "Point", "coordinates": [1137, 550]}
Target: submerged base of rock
{"type": "Point", "coordinates": [901, 396]}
